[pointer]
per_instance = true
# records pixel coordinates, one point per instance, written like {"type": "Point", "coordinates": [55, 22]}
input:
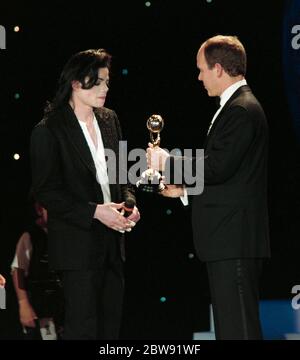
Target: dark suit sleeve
{"type": "Point", "coordinates": [47, 182]}
{"type": "Point", "coordinates": [127, 190]}
{"type": "Point", "coordinates": [224, 154]}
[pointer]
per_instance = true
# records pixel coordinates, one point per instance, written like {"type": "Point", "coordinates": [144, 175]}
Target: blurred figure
{"type": "Point", "coordinates": [2, 281]}
{"type": "Point", "coordinates": [2, 292]}
{"type": "Point", "coordinates": [37, 288]}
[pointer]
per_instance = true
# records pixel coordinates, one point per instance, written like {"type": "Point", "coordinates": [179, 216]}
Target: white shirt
{"type": "Point", "coordinates": [98, 155]}
{"type": "Point", "coordinates": [225, 96]}
{"type": "Point", "coordinates": [23, 254]}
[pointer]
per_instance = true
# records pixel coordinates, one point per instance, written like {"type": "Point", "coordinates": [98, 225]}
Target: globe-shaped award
{"type": "Point", "coordinates": [151, 180]}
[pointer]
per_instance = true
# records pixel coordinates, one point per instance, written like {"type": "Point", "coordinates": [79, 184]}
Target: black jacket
{"type": "Point", "coordinates": [230, 217]}
{"type": "Point", "coordinates": [64, 181]}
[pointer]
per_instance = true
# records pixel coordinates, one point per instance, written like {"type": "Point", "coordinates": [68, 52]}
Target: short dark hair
{"type": "Point", "coordinates": [228, 51]}
{"type": "Point", "coordinates": [81, 66]}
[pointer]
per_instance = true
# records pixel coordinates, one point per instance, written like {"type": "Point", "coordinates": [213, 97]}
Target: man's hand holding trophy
{"type": "Point", "coordinates": [151, 179]}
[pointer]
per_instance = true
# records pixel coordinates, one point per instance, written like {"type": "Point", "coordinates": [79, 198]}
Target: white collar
{"type": "Point", "coordinates": [226, 94]}
{"type": "Point", "coordinates": [83, 123]}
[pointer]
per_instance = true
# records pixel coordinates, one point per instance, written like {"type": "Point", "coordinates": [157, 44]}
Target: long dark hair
{"type": "Point", "coordinates": [82, 67]}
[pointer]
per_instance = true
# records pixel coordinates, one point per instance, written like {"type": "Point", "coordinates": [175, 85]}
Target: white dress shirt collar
{"type": "Point", "coordinates": [226, 95]}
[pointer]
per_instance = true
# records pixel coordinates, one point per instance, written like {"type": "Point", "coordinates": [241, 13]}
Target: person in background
{"type": "Point", "coordinates": [38, 289]}
{"type": "Point", "coordinates": [2, 280]}
{"type": "Point", "coordinates": [2, 292]}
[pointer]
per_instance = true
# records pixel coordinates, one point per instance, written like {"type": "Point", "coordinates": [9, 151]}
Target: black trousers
{"type": "Point", "coordinates": [234, 287]}
{"type": "Point", "coordinates": [93, 300]}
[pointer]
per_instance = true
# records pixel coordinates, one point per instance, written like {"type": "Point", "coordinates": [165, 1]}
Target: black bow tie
{"type": "Point", "coordinates": [217, 100]}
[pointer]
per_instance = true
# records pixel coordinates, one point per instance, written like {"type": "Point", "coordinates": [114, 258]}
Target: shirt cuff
{"type": "Point", "coordinates": [184, 198]}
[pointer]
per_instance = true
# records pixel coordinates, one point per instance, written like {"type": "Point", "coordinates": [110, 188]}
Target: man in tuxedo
{"type": "Point", "coordinates": [70, 152]}
{"type": "Point", "coordinates": [230, 217]}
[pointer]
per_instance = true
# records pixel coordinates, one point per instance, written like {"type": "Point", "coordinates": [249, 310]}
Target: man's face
{"type": "Point", "coordinates": [209, 77]}
{"type": "Point", "coordinates": [95, 97]}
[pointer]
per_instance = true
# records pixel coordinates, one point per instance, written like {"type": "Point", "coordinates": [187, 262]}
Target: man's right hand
{"type": "Point", "coordinates": [156, 157]}
{"type": "Point", "coordinates": [109, 215]}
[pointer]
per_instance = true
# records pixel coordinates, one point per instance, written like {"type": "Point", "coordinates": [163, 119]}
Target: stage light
{"type": "Point", "coordinates": [17, 96]}
{"type": "Point", "coordinates": [124, 72]}
{"type": "Point", "coordinates": [16, 29]}
{"type": "Point", "coordinates": [163, 299]}
{"type": "Point", "coordinates": [209, 1]}
{"type": "Point", "coordinates": [191, 256]}
{"type": "Point", "coordinates": [147, 3]}
{"type": "Point", "coordinates": [16, 156]}
{"type": "Point", "coordinates": [169, 212]}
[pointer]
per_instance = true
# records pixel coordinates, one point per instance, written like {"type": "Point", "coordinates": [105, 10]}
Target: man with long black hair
{"type": "Point", "coordinates": [69, 150]}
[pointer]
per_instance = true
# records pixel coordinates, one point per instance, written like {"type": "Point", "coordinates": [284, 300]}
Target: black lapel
{"type": "Point", "coordinates": [76, 137]}
{"type": "Point", "coordinates": [110, 141]}
{"type": "Point", "coordinates": [238, 92]}
{"type": "Point", "coordinates": [105, 127]}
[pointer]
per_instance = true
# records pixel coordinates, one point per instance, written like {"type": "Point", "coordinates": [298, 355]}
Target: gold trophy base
{"type": "Point", "coordinates": [151, 181]}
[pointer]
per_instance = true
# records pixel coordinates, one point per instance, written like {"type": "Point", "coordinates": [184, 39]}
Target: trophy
{"type": "Point", "coordinates": [151, 180]}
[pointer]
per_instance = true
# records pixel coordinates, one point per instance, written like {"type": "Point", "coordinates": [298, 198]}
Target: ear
{"type": "Point", "coordinates": [219, 69]}
{"type": "Point", "coordinates": [76, 85]}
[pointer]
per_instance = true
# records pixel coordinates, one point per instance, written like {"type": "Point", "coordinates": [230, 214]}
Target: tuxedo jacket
{"type": "Point", "coordinates": [64, 182]}
{"type": "Point", "coordinates": [230, 216]}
